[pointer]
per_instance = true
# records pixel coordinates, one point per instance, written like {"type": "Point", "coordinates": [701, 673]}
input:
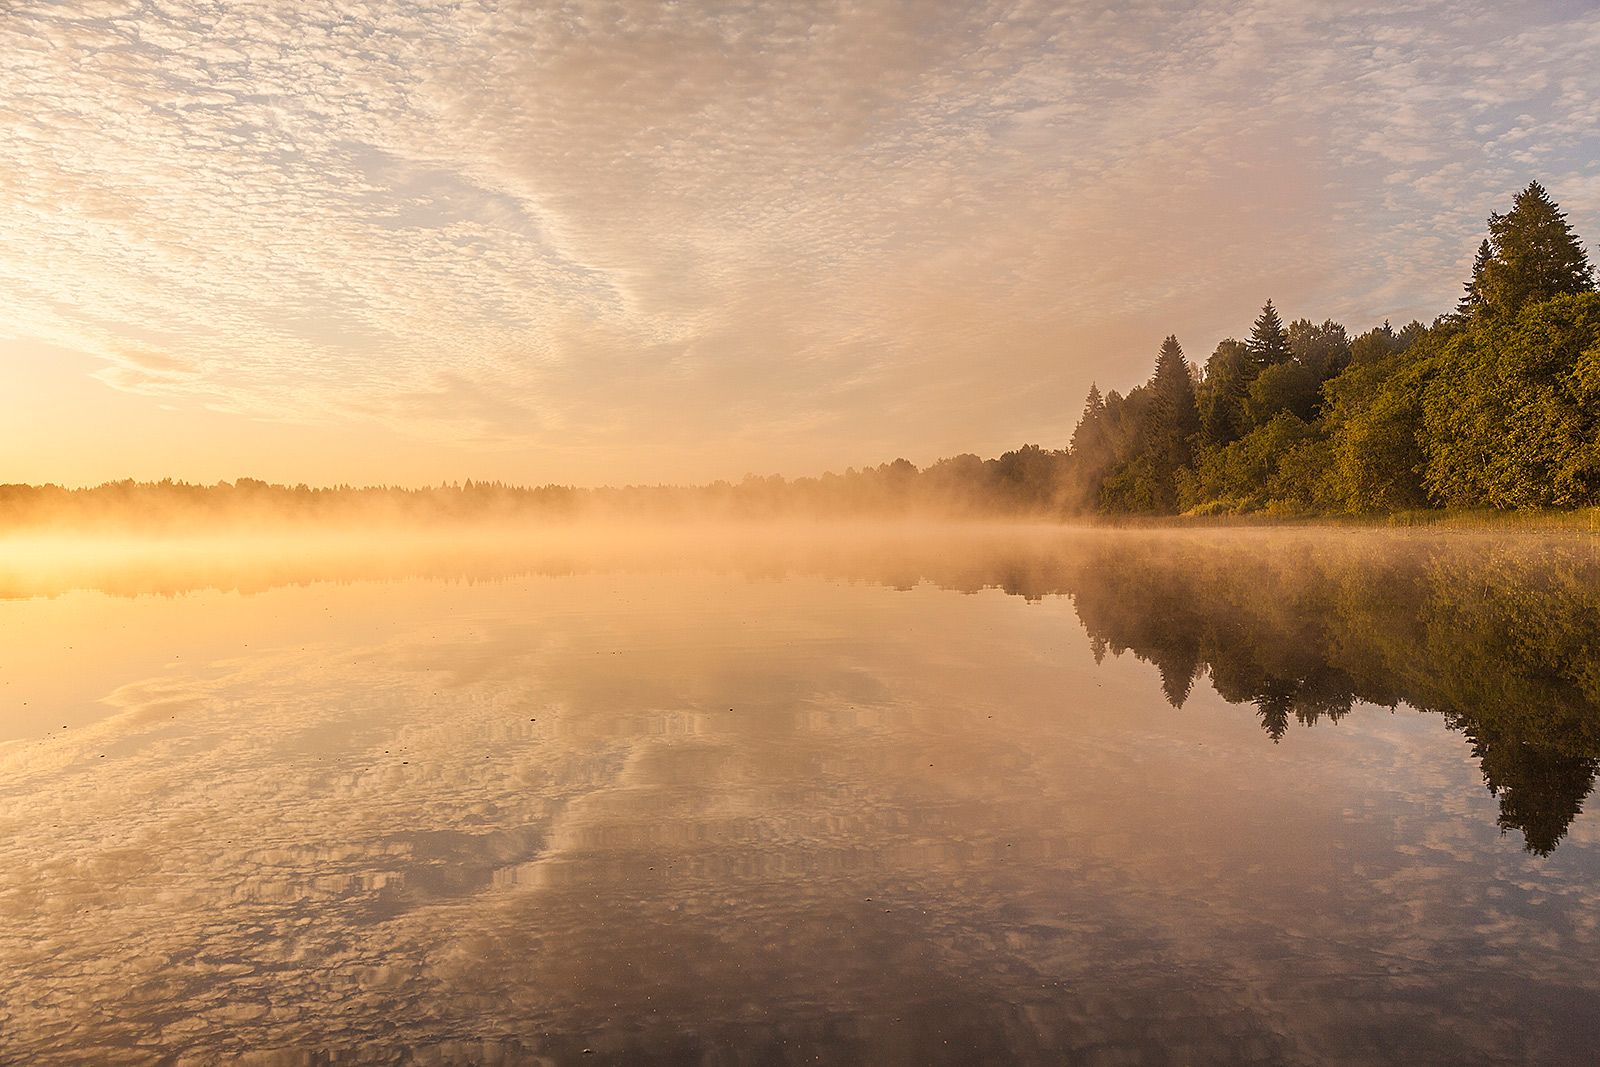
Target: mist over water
{"type": "Point", "coordinates": [874, 792]}
{"type": "Point", "coordinates": [566, 533]}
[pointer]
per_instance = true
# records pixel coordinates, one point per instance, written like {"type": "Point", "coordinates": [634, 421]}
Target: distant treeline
{"type": "Point", "coordinates": [1024, 482]}
{"type": "Point", "coordinates": [1495, 405]}
{"type": "Point", "coordinates": [175, 502]}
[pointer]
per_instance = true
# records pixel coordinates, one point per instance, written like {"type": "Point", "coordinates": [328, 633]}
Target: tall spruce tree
{"type": "Point", "coordinates": [1092, 452]}
{"type": "Point", "coordinates": [1472, 299]}
{"type": "Point", "coordinates": [1173, 413]}
{"type": "Point", "coordinates": [1152, 435]}
{"type": "Point", "coordinates": [1088, 434]}
{"type": "Point", "coordinates": [1269, 341]}
{"type": "Point", "coordinates": [1534, 255]}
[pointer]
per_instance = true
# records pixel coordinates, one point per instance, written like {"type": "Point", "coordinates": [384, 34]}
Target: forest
{"type": "Point", "coordinates": [1496, 405]}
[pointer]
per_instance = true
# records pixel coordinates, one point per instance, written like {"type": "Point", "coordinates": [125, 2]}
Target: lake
{"type": "Point", "coordinates": [893, 794]}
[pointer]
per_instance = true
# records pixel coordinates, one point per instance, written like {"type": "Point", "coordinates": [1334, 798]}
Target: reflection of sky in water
{"type": "Point", "coordinates": [659, 814]}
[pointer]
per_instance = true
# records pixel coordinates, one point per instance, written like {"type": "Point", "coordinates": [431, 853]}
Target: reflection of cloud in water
{"type": "Point", "coordinates": [683, 815]}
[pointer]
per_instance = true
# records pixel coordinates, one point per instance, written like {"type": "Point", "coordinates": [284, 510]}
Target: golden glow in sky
{"type": "Point", "coordinates": [617, 242]}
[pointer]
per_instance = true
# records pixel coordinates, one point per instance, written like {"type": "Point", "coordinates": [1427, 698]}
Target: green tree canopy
{"type": "Point", "coordinates": [1223, 391]}
{"type": "Point", "coordinates": [1157, 444]}
{"type": "Point", "coordinates": [1534, 256]}
{"type": "Point", "coordinates": [1496, 404]}
{"type": "Point", "coordinates": [1512, 420]}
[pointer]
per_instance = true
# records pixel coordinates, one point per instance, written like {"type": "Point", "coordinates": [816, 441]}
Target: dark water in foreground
{"type": "Point", "coordinates": [884, 797]}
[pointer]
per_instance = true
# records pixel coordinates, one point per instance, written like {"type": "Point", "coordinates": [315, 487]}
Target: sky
{"type": "Point", "coordinates": [610, 242]}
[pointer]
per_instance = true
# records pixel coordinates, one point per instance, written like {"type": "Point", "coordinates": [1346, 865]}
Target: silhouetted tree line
{"type": "Point", "coordinates": [1495, 405]}
{"type": "Point", "coordinates": [1025, 482]}
{"type": "Point", "coordinates": [179, 503]}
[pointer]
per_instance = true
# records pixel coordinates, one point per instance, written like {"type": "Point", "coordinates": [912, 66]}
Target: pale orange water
{"type": "Point", "coordinates": [911, 797]}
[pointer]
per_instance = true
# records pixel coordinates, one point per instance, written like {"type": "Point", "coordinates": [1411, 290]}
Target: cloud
{"type": "Point", "coordinates": [922, 230]}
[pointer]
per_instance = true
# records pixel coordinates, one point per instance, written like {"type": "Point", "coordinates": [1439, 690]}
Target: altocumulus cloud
{"type": "Point", "coordinates": [815, 232]}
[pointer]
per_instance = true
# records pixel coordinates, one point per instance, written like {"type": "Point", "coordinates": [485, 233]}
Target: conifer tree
{"type": "Point", "coordinates": [1174, 415]}
{"type": "Point", "coordinates": [1269, 341]}
{"type": "Point", "coordinates": [1472, 299]}
{"type": "Point", "coordinates": [1087, 435]}
{"type": "Point", "coordinates": [1092, 450]}
{"type": "Point", "coordinates": [1534, 255]}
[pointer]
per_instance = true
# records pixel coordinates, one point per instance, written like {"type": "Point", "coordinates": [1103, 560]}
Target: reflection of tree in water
{"type": "Point", "coordinates": [1502, 640]}
{"type": "Point", "coordinates": [1541, 790]}
{"type": "Point", "coordinates": [1500, 635]}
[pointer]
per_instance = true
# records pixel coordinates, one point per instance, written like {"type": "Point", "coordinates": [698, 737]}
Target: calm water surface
{"type": "Point", "coordinates": [853, 796]}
